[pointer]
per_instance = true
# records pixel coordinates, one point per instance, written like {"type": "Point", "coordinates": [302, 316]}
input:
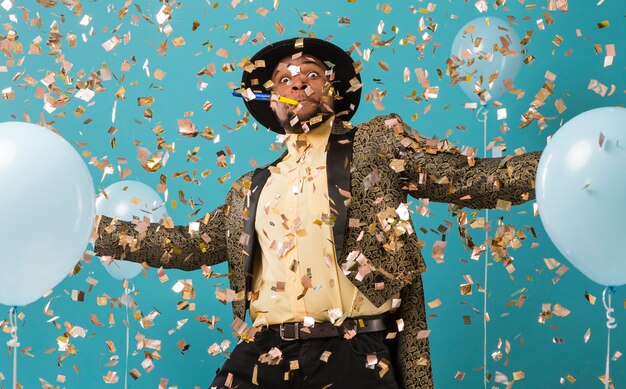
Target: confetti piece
{"type": "Point", "coordinates": [560, 311]}
{"type": "Point", "coordinates": [78, 295]}
{"type": "Point", "coordinates": [162, 276]}
{"type": "Point", "coordinates": [466, 289]}
{"type": "Point", "coordinates": [438, 251]}
{"type": "Point", "coordinates": [435, 303]}
{"type": "Point", "coordinates": [94, 320]}
{"type": "Point", "coordinates": [423, 334]}
{"type": "Point", "coordinates": [592, 299]}
{"type": "Point", "coordinates": [551, 263]}
{"type": "Point", "coordinates": [135, 374]}
{"type": "Point", "coordinates": [503, 205]}
{"type": "Point", "coordinates": [111, 377]}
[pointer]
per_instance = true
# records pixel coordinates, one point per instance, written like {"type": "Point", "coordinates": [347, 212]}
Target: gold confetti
{"type": "Point", "coordinates": [162, 276]}
{"type": "Point", "coordinates": [503, 205]}
{"type": "Point", "coordinates": [178, 42]}
{"type": "Point", "coordinates": [111, 377]}
{"type": "Point", "coordinates": [529, 59]}
{"type": "Point", "coordinates": [78, 295]}
{"type": "Point", "coordinates": [110, 345]}
{"type": "Point", "coordinates": [145, 101]}
{"type": "Point", "coordinates": [383, 66]}
{"type": "Point", "coordinates": [438, 251]}
{"type": "Point", "coordinates": [466, 289]}
{"type": "Point", "coordinates": [423, 334]}
{"type": "Point", "coordinates": [435, 303]}
{"type": "Point", "coordinates": [325, 356]}
{"type": "Point", "coordinates": [341, 20]}
{"type": "Point", "coordinates": [569, 378]}
{"type": "Point", "coordinates": [94, 320]}
{"type": "Point", "coordinates": [279, 28]}
{"type": "Point", "coordinates": [135, 374]}
{"type": "Point", "coordinates": [159, 74]}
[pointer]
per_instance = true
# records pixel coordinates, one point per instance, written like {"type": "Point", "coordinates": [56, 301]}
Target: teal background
{"type": "Point", "coordinates": [456, 347]}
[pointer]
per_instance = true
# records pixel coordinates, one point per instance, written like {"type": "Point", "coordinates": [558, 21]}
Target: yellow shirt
{"type": "Point", "coordinates": [297, 277]}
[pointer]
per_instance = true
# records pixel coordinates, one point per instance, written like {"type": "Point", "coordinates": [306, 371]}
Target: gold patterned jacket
{"type": "Point", "coordinates": [372, 167]}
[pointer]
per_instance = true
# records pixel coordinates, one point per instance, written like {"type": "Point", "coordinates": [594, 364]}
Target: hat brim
{"type": "Point", "coordinates": [341, 62]}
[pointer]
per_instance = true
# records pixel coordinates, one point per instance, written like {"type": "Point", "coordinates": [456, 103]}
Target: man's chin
{"type": "Point", "coordinates": [305, 116]}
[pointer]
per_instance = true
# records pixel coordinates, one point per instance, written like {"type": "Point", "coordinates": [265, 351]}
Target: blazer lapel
{"type": "Point", "coordinates": [338, 162]}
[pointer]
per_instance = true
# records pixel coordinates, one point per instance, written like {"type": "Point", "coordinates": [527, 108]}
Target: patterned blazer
{"type": "Point", "coordinates": [371, 169]}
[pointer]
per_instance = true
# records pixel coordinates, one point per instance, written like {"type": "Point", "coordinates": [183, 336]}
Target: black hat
{"type": "Point", "coordinates": [258, 70]}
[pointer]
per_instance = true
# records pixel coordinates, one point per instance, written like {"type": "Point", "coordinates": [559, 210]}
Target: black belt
{"type": "Point", "coordinates": [295, 331]}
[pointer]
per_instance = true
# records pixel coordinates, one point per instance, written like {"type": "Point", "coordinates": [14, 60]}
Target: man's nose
{"type": "Point", "coordinates": [298, 83]}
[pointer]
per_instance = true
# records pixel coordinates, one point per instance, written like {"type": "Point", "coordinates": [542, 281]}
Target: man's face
{"type": "Point", "coordinates": [302, 79]}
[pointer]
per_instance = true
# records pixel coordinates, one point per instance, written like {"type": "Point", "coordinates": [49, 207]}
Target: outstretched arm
{"type": "Point", "coordinates": [186, 247]}
{"type": "Point", "coordinates": [442, 172]}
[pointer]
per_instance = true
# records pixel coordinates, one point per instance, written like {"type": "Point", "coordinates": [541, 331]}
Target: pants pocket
{"type": "Point", "coordinates": [367, 344]}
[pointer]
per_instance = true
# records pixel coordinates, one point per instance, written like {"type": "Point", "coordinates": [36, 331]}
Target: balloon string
{"type": "Point", "coordinates": [127, 341]}
{"type": "Point", "coordinates": [610, 324]}
{"type": "Point", "coordinates": [484, 121]}
{"type": "Point", "coordinates": [14, 343]}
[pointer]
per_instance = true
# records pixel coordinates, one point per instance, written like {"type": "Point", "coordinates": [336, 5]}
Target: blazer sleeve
{"type": "Point", "coordinates": [413, 352]}
{"type": "Point", "coordinates": [439, 171]}
{"type": "Point", "coordinates": [185, 247]}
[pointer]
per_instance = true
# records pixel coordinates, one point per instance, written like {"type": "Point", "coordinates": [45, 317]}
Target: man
{"type": "Point", "coordinates": [320, 244]}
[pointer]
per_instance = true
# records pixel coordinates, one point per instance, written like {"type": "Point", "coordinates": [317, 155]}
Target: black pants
{"type": "Point", "coordinates": [302, 366]}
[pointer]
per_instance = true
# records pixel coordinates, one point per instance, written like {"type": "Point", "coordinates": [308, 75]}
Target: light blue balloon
{"type": "Point", "coordinates": [581, 193]}
{"type": "Point", "coordinates": [123, 270]}
{"type": "Point", "coordinates": [46, 208]}
{"type": "Point", "coordinates": [507, 64]}
{"type": "Point", "coordinates": [127, 200]}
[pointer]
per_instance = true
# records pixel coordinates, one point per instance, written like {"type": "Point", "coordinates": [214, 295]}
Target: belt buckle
{"type": "Point", "coordinates": [296, 335]}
